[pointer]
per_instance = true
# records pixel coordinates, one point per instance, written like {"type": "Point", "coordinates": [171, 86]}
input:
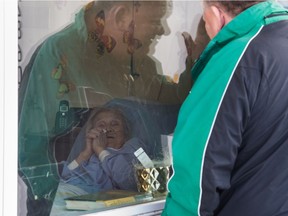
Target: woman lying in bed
{"type": "Point", "coordinates": [107, 159]}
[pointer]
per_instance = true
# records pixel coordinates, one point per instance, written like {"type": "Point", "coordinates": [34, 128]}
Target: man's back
{"type": "Point", "coordinates": [259, 178]}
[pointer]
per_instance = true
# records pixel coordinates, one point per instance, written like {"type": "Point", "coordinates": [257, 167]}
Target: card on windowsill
{"type": "Point", "coordinates": [104, 199]}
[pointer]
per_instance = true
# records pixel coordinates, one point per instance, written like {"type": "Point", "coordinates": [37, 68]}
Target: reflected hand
{"type": "Point", "coordinates": [195, 47]}
{"type": "Point", "coordinates": [190, 47]}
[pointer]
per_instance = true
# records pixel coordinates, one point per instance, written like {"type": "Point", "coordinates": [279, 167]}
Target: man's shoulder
{"type": "Point", "coordinates": [65, 37]}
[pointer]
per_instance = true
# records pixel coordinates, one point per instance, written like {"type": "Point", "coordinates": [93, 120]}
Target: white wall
{"type": "Point", "coordinates": [8, 111]}
{"type": "Point", "coordinates": [170, 50]}
{"type": "Point", "coordinates": [40, 19]}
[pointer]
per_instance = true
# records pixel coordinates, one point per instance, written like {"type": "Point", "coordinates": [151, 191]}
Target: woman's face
{"type": "Point", "coordinates": [112, 124]}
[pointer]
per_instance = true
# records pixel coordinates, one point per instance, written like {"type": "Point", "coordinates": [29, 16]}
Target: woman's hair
{"type": "Point", "coordinates": [95, 113]}
{"type": "Point", "coordinates": [234, 7]}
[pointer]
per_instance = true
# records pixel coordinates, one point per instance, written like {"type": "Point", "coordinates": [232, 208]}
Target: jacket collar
{"type": "Point", "coordinates": [247, 20]}
{"type": "Point", "coordinates": [243, 23]}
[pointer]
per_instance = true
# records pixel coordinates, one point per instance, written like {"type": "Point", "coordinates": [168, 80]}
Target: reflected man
{"type": "Point", "coordinates": [101, 56]}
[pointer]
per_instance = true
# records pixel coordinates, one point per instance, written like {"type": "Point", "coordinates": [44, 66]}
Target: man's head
{"type": "Point", "coordinates": [132, 24]}
{"type": "Point", "coordinates": [217, 14]}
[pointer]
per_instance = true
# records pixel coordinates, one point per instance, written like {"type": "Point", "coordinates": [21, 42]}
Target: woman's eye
{"type": "Point", "coordinates": [101, 126]}
{"type": "Point", "coordinates": [115, 123]}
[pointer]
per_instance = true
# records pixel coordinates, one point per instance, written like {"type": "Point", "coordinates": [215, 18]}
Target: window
{"type": "Point", "coordinates": [100, 87]}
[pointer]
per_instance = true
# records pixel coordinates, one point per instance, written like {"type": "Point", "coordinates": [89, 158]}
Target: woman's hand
{"type": "Point", "coordinates": [98, 140]}
{"type": "Point", "coordinates": [86, 153]}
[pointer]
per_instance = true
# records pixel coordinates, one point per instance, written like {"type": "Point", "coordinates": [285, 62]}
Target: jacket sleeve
{"type": "Point", "coordinates": [37, 111]}
{"type": "Point", "coordinates": [120, 168]}
{"type": "Point", "coordinates": [206, 170]}
{"type": "Point", "coordinates": [226, 137]}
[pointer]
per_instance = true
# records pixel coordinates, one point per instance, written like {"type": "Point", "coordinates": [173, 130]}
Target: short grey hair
{"type": "Point", "coordinates": [234, 7]}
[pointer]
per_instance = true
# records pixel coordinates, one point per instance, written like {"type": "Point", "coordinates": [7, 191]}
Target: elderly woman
{"type": "Point", "coordinates": [106, 162]}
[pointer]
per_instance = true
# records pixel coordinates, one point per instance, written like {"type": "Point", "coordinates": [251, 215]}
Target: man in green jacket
{"type": "Point", "coordinates": [230, 144]}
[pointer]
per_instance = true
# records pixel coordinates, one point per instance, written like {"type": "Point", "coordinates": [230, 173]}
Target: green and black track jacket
{"type": "Point", "coordinates": [230, 146]}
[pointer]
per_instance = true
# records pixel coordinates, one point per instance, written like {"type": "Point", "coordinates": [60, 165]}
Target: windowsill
{"type": "Point", "coordinates": [153, 208]}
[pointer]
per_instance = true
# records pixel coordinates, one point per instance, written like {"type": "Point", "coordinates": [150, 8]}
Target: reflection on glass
{"type": "Point", "coordinates": [103, 59]}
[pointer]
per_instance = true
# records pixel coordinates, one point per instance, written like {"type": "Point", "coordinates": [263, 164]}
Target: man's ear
{"type": "Point", "coordinates": [121, 17]}
{"type": "Point", "coordinates": [219, 17]}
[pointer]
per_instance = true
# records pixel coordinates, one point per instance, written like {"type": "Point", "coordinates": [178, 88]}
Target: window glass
{"type": "Point", "coordinates": [100, 87]}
